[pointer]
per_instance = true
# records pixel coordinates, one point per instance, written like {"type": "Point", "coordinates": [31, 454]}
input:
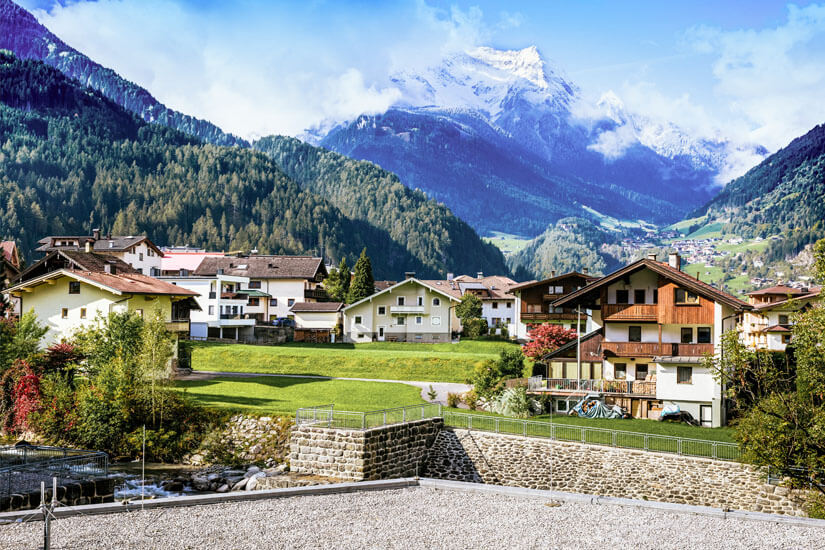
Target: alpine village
{"type": "Point", "coordinates": [377, 331]}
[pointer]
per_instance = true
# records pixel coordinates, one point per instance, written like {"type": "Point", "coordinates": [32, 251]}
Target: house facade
{"type": "Point", "coordinates": [9, 270]}
{"type": "Point", "coordinates": [273, 284]}
{"type": "Point", "coordinates": [534, 303]}
{"type": "Point", "coordinates": [768, 326]}
{"type": "Point", "coordinates": [409, 311]}
{"type": "Point", "coordinates": [68, 290]}
{"type": "Point", "coordinates": [317, 321]}
{"type": "Point", "coordinates": [654, 324]}
{"type": "Point", "coordinates": [137, 251]}
{"type": "Point", "coordinates": [498, 303]}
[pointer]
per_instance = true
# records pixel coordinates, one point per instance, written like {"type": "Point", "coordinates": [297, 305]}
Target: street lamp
{"type": "Point", "coordinates": [579, 345]}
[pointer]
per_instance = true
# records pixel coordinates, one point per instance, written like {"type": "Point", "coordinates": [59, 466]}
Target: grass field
{"type": "Point", "coordinates": [715, 276]}
{"type": "Point", "coordinates": [387, 360]}
{"type": "Point", "coordinates": [268, 395]}
{"type": "Point", "coordinates": [507, 243]}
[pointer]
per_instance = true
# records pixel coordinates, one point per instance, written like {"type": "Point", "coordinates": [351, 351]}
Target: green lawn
{"type": "Point", "coordinates": [268, 395]}
{"type": "Point", "coordinates": [386, 360]}
{"type": "Point", "coordinates": [507, 243]}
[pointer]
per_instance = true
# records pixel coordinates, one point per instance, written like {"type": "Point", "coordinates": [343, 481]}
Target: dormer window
{"type": "Point", "coordinates": [74, 287]}
{"type": "Point", "coordinates": [683, 296]}
{"type": "Point", "coordinates": [400, 300]}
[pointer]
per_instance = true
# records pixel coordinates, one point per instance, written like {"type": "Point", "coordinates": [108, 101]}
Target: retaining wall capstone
{"type": "Point", "coordinates": [579, 468]}
{"type": "Point", "coordinates": [387, 452]}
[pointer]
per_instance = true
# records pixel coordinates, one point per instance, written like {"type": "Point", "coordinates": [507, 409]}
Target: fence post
{"type": "Point", "coordinates": [614, 438]}
{"type": "Point", "coordinates": [714, 450]}
{"type": "Point", "coordinates": [422, 412]}
{"type": "Point", "coordinates": [385, 418]}
{"type": "Point", "coordinates": [524, 427]}
{"type": "Point", "coordinates": [646, 444]}
{"type": "Point", "coordinates": [404, 414]}
{"type": "Point", "coordinates": [584, 437]}
{"type": "Point", "coordinates": [363, 420]}
{"type": "Point", "coordinates": [469, 422]}
{"type": "Point", "coordinates": [496, 425]}
{"type": "Point", "coordinates": [679, 447]}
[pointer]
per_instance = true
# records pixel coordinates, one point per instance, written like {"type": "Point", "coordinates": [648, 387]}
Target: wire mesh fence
{"type": "Point", "coordinates": [23, 467]}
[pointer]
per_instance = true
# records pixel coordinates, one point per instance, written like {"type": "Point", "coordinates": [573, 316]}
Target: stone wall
{"type": "Point", "coordinates": [398, 450]}
{"type": "Point", "coordinates": [577, 468]}
{"type": "Point", "coordinates": [70, 493]}
{"type": "Point", "coordinates": [246, 439]}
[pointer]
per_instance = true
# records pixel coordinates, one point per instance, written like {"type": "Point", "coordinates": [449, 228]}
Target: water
{"type": "Point", "coordinates": [130, 485]}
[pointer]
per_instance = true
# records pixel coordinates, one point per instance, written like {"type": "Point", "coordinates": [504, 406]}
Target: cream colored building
{"type": "Point", "coordinates": [69, 290]}
{"type": "Point", "coordinates": [409, 311]}
{"type": "Point", "coordinates": [137, 251]}
{"type": "Point", "coordinates": [768, 326]}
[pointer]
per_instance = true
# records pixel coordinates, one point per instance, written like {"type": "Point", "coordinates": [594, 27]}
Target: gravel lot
{"type": "Point", "coordinates": [408, 519]}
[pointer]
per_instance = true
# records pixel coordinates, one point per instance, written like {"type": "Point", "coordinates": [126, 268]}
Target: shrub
{"type": "Point", "coordinates": [432, 394]}
{"type": "Point", "coordinates": [453, 400]}
{"type": "Point", "coordinates": [474, 328]}
{"type": "Point", "coordinates": [471, 400]}
{"type": "Point", "coordinates": [513, 402]}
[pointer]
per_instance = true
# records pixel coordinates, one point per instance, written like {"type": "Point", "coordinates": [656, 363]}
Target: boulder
{"type": "Point", "coordinates": [240, 485]}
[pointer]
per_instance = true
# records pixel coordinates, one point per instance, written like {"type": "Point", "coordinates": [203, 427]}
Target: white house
{"type": "Point", "coordinates": [316, 321]}
{"type": "Point", "coordinates": [498, 303]}
{"type": "Point", "coordinates": [137, 251]}
{"type": "Point", "coordinates": [409, 311]}
{"type": "Point", "coordinates": [768, 326]}
{"type": "Point", "coordinates": [68, 290]}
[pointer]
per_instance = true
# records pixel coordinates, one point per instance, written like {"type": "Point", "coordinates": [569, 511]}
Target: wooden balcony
{"type": "Point", "coordinates": [525, 317]}
{"type": "Point", "coordinates": [564, 386]}
{"type": "Point", "coordinates": [650, 349]}
{"type": "Point", "coordinates": [178, 325]}
{"type": "Point", "coordinates": [630, 312]}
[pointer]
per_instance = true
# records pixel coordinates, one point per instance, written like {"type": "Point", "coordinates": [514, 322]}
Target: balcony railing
{"type": "Point", "coordinates": [630, 312]}
{"type": "Point", "coordinates": [316, 294]}
{"type": "Point", "coordinates": [406, 309]}
{"type": "Point", "coordinates": [650, 349]}
{"type": "Point", "coordinates": [568, 385]}
{"type": "Point", "coordinates": [533, 316]}
{"type": "Point", "coordinates": [177, 325]}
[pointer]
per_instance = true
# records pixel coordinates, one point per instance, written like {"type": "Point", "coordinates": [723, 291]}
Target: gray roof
{"type": "Point", "coordinates": [317, 307]}
{"type": "Point", "coordinates": [264, 267]}
{"type": "Point", "coordinates": [107, 244]}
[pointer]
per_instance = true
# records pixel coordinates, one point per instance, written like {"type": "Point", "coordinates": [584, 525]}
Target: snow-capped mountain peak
{"type": "Point", "coordinates": [526, 63]}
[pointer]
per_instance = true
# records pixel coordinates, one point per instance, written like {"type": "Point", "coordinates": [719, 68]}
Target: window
{"type": "Point", "coordinates": [357, 319]}
{"type": "Point", "coordinates": [583, 328]}
{"type": "Point", "coordinates": [254, 302]}
{"type": "Point", "coordinates": [783, 319]}
{"type": "Point", "coordinates": [74, 287]}
{"type": "Point", "coordinates": [655, 295]}
{"type": "Point", "coordinates": [786, 338]}
{"type": "Point", "coordinates": [687, 335]}
{"type": "Point", "coordinates": [436, 302]}
{"type": "Point", "coordinates": [703, 335]}
{"type": "Point", "coordinates": [399, 321]}
{"type": "Point", "coordinates": [290, 302]}
{"type": "Point", "coordinates": [419, 320]}
{"type": "Point", "coordinates": [419, 336]}
{"type": "Point", "coordinates": [83, 313]}
{"type": "Point", "coordinates": [639, 296]}
{"type": "Point", "coordinates": [64, 313]}
{"type": "Point", "coordinates": [435, 321]}
{"type": "Point", "coordinates": [400, 300]}
{"type": "Point", "coordinates": [421, 300]}
{"type": "Point", "coordinates": [641, 372]}
{"type": "Point", "coordinates": [255, 284]}
{"type": "Point", "coordinates": [620, 371]}
{"type": "Point", "coordinates": [273, 302]}
{"type": "Point", "coordinates": [495, 305]}
{"type": "Point", "coordinates": [685, 297]}
{"type": "Point", "coordinates": [561, 406]}
{"type": "Point", "coordinates": [559, 290]}
{"type": "Point", "coordinates": [382, 310]}
{"type": "Point", "coordinates": [140, 256]}
{"type": "Point", "coordinates": [634, 334]}
{"type": "Point", "coordinates": [621, 296]}
{"type": "Point", "coordinates": [684, 375]}
{"type": "Point", "coordinates": [509, 304]}
{"type": "Point", "coordinates": [211, 310]}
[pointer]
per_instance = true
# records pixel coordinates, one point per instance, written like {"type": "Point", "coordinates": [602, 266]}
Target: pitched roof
{"type": "Point", "coordinates": [264, 267]}
{"type": "Point", "coordinates": [8, 252]}
{"type": "Point", "coordinates": [432, 285]}
{"type": "Point", "coordinates": [383, 285]}
{"type": "Point", "coordinates": [793, 300]}
{"type": "Point", "coordinates": [678, 276]}
{"type": "Point", "coordinates": [778, 289]}
{"type": "Point", "coordinates": [497, 287]}
{"type": "Point", "coordinates": [175, 261]}
{"type": "Point", "coordinates": [91, 268]}
{"type": "Point", "coordinates": [776, 328]}
{"type": "Point", "coordinates": [588, 279]}
{"type": "Point", "coordinates": [104, 244]}
{"type": "Point", "coordinates": [317, 307]}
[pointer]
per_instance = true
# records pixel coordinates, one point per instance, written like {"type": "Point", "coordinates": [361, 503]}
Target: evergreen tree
{"type": "Point", "coordinates": [337, 282]}
{"type": "Point", "coordinates": [469, 308]}
{"type": "Point", "coordinates": [363, 284]}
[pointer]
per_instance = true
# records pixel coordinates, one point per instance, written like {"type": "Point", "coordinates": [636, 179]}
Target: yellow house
{"type": "Point", "coordinates": [409, 311]}
{"type": "Point", "coordinates": [67, 290]}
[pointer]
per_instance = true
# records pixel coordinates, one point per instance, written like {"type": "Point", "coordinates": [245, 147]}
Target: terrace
{"type": "Point", "coordinates": [568, 386]}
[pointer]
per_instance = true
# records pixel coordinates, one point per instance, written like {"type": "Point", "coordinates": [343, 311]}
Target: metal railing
{"type": "Point", "coordinates": [586, 385]}
{"type": "Point", "coordinates": [594, 436]}
{"type": "Point", "coordinates": [22, 468]}
{"type": "Point", "coordinates": [326, 416]}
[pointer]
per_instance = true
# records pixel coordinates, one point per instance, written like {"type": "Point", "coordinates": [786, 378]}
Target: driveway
{"type": "Point", "coordinates": [441, 388]}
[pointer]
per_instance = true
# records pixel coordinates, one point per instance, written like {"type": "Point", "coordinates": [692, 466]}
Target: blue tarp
{"type": "Point", "coordinates": [590, 407]}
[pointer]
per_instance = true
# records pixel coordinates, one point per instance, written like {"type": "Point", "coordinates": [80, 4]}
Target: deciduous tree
{"type": "Point", "coordinates": [546, 338]}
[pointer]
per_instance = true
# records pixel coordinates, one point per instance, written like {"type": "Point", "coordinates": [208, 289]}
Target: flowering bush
{"type": "Point", "coordinates": [547, 338]}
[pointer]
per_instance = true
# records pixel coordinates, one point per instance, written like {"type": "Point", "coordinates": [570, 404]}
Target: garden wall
{"type": "Point", "coordinates": [398, 450]}
{"type": "Point", "coordinates": [578, 468]}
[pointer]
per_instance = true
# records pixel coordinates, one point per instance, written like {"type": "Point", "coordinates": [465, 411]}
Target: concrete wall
{"type": "Point", "coordinates": [398, 450]}
{"type": "Point", "coordinates": [70, 493]}
{"type": "Point", "coordinates": [573, 467]}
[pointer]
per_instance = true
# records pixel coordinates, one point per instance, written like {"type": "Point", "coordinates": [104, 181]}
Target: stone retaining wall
{"type": "Point", "coordinates": [577, 468]}
{"type": "Point", "coordinates": [96, 491]}
{"type": "Point", "coordinates": [398, 450]}
{"type": "Point", "coordinates": [246, 439]}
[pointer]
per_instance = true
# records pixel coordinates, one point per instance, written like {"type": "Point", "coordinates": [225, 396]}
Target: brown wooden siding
{"type": "Point", "coordinates": [687, 314]}
{"type": "Point", "coordinates": [630, 312]}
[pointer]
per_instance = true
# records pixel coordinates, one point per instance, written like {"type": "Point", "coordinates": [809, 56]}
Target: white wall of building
{"type": "Point", "coordinates": [316, 319]}
{"type": "Point", "coordinates": [141, 257]}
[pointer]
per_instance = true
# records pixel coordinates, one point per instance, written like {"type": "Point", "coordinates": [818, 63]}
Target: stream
{"type": "Point", "coordinates": [161, 481]}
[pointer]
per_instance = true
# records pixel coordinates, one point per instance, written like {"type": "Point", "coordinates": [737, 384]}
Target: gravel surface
{"type": "Point", "coordinates": [410, 519]}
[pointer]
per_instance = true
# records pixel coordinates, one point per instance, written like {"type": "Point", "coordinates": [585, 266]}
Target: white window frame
{"type": "Point", "coordinates": [358, 319]}
{"type": "Point", "coordinates": [382, 310]}
{"type": "Point", "coordinates": [419, 320]}
{"type": "Point", "coordinates": [436, 302]}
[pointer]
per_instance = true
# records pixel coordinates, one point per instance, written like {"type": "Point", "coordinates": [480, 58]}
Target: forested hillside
{"type": "Point", "coordinates": [364, 191]}
{"type": "Point", "coordinates": [784, 195]}
{"type": "Point", "coordinates": [71, 160]}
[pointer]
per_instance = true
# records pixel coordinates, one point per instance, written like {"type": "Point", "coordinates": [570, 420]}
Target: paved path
{"type": "Point", "coordinates": [441, 388]}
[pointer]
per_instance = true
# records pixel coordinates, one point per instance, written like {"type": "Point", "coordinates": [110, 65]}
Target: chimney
{"type": "Point", "coordinates": [552, 273]}
{"type": "Point", "coordinates": [674, 260]}
{"type": "Point", "coordinates": [409, 275]}
{"type": "Point", "coordinates": [480, 275]}
{"type": "Point", "coordinates": [88, 245]}
{"type": "Point", "coordinates": [450, 276]}
{"type": "Point", "coordinates": [96, 234]}
{"type": "Point", "coordinates": [109, 268]}
{"type": "Point", "coordinates": [652, 256]}
{"type": "Point", "coordinates": [585, 270]}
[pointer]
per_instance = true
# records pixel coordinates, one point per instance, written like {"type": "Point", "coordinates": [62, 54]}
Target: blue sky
{"type": "Point", "coordinates": [753, 71]}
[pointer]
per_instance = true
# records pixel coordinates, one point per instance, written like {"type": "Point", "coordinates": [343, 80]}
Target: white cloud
{"type": "Point", "coordinates": [773, 78]}
{"type": "Point", "coordinates": [261, 68]}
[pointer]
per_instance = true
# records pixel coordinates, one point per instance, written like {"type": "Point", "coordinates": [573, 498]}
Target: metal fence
{"type": "Point", "coordinates": [22, 468]}
{"type": "Point", "coordinates": [327, 416]}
